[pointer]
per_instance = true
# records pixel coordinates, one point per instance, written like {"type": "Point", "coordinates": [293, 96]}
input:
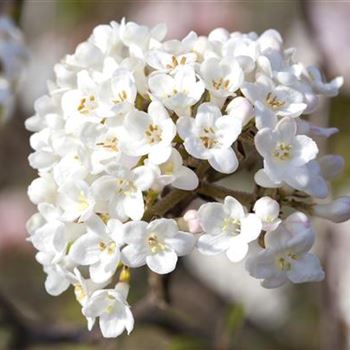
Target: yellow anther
{"type": "Point", "coordinates": [273, 101]}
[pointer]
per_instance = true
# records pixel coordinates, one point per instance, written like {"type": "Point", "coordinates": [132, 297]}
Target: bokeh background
{"type": "Point", "coordinates": [215, 304]}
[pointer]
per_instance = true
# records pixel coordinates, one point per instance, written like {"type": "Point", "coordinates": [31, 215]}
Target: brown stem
{"type": "Point", "coordinates": [219, 192]}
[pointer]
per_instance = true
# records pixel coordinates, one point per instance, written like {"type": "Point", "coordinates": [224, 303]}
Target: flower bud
{"type": "Point", "coordinates": [336, 211]}
{"type": "Point", "coordinates": [307, 128]}
{"type": "Point", "coordinates": [192, 221]}
{"type": "Point", "coordinates": [241, 108]}
{"type": "Point", "coordinates": [331, 166]}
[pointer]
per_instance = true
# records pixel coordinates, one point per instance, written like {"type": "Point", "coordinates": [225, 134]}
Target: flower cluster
{"type": "Point", "coordinates": [12, 58]}
{"type": "Point", "coordinates": [134, 128]}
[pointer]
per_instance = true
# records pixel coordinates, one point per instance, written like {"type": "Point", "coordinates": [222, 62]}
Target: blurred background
{"type": "Point", "coordinates": [216, 304]}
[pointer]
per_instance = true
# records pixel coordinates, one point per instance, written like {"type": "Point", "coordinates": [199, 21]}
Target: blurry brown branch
{"type": "Point", "coordinates": [25, 333]}
{"type": "Point", "coordinates": [12, 8]}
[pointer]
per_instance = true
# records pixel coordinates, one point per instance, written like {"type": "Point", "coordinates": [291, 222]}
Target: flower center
{"type": "Point", "coordinates": [83, 201]}
{"type": "Point", "coordinates": [154, 244]}
{"type": "Point", "coordinates": [110, 144]}
{"type": "Point", "coordinates": [109, 247]}
{"type": "Point", "coordinates": [87, 104]}
{"type": "Point", "coordinates": [285, 262]}
{"type": "Point", "coordinates": [104, 217]}
{"type": "Point", "coordinates": [273, 101]}
{"type": "Point", "coordinates": [153, 134]}
{"type": "Point", "coordinates": [221, 84]}
{"type": "Point", "coordinates": [175, 62]}
{"type": "Point", "coordinates": [208, 138]}
{"type": "Point", "coordinates": [283, 151]}
{"type": "Point", "coordinates": [125, 187]}
{"type": "Point", "coordinates": [79, 292]}
{"type": "Point", "coordinates": [121, 97]}
{"type": "Point", "coordinates": [232, 226]}
{"type": "Point", "coordinates": [167, 168]}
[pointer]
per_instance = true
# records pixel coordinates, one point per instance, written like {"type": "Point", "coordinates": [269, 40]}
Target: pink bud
{"type": "Point", "coordinates": [336, 211]}
{"type": "Point", "coordinates": [192, 221]}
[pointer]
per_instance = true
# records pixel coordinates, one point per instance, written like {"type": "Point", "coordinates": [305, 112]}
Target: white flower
{"type": "Point", "coordinates": [138, 38]}
{"type": "Point", "coordinates": [210, 136]}
{"type": "Point", "coordinates": [150, 133]}
{"type": "Point", "coordinates": [111, 307]}
{"type": "Point", "coordinates": [43, 189]}
{"type": "Point", "coordinates": [271, 101]}
{"type": "Point", "coordinates": [76, 200]}
{"type": "Point", "coordinates": [268, 210]}
{"type": "Point", "coordinates": [221, 77]}
{"type": "Point", "coordinates": [228, 228]}
{"type": "Point", "coordinates": [99, 248]}
{"type": "Point", "coordinates": [172, 172]}
{"type": "Point", "coordinates": [285, 153]}
{"type": "Point", "coordinates": [157, 244]}
{"type": "Point", "coordinates": [286, 255]}
{"type": "Point", "coordinates": [178, 92]}
{"type": "Point", "coordinates": [123, 191]}
{"type": "Point", "coordinates": [168, 62]}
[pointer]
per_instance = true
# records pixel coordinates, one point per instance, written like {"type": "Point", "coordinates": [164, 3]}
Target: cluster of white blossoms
{"type": "Point", "coordinates": [134, 128]}
{"type": "Point", "coordinates": [13, 55]}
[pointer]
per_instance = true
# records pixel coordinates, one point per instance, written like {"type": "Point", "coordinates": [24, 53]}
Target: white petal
{"type": "Point", "coordinates": [214, 244]}
{"type": "Point", "coordinates": [185, 179]}
{"type": "Point", "coordinates": [183, 243]}
{"type": "Point", "coordinates": [211, 217]}
{"type": "Point", "coordinates": [111, 325]}
{"type": "Point", "coordinates": [224, 160]}
{"type": "Point", "coordinates": [134, 255]}
{"type": "Point", "coordinates": [250, 227]}
{"type": "Point", "coordinates": [237, 251]}
{"type": "Point", "coordinates": [104, 269]}
{"type": "Point", "coordinates": [162, 262]}
{"type": "Point", "coordinates": [135, 232]}
{"type": "Point", "coordinates": [85, 250]}
{"type": "Point", "coordinates": [306, 269]}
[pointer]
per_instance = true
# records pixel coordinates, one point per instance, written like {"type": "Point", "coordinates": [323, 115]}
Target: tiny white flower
{"type": "Point", "coordinates": [112, 309]}
{"type": "Point", "coordinates": [227, 228]}
{"type": "Point", "coordinates": [221, 77]}
{"type": "Point", "coordinates": [272, 101]}
{"type": "Point", "coordinates": [150, 133]}
{"type": "Point", "coordinates": [164, 61]}
{"type": "Point", "coordinates": [268, 210]}
{"type": "Point", "coordinates": [174, 173]}
{"type": "Point", "coordinates": [123, 191]}
{"type": "Point", "coordinates": [285, 153]}
{"type": "Point", "coordinates": [157, 244]}
{"type": "Point", "coordinates": [286, 256]}
{"type": "Point", "coordinates": [210, 136]}
{"type": "Point", "coordinates": [76, 200]}
{"type": "Point", "coordinates": [178, 92]}
{"type": "Point", "coordinates": [99, 248]}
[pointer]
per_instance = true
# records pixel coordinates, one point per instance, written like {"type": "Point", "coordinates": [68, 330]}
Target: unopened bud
{"type": "Point", "coordinates": [125, 275]}
{"type": "Point", "coordinates": [331, 166]}
{"type": "Point", "coordinates": [336, 211]}
{"type": "Point", "coordinates": [192, 221]}
{"type": "Point", "coordinates": [307, 128]}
